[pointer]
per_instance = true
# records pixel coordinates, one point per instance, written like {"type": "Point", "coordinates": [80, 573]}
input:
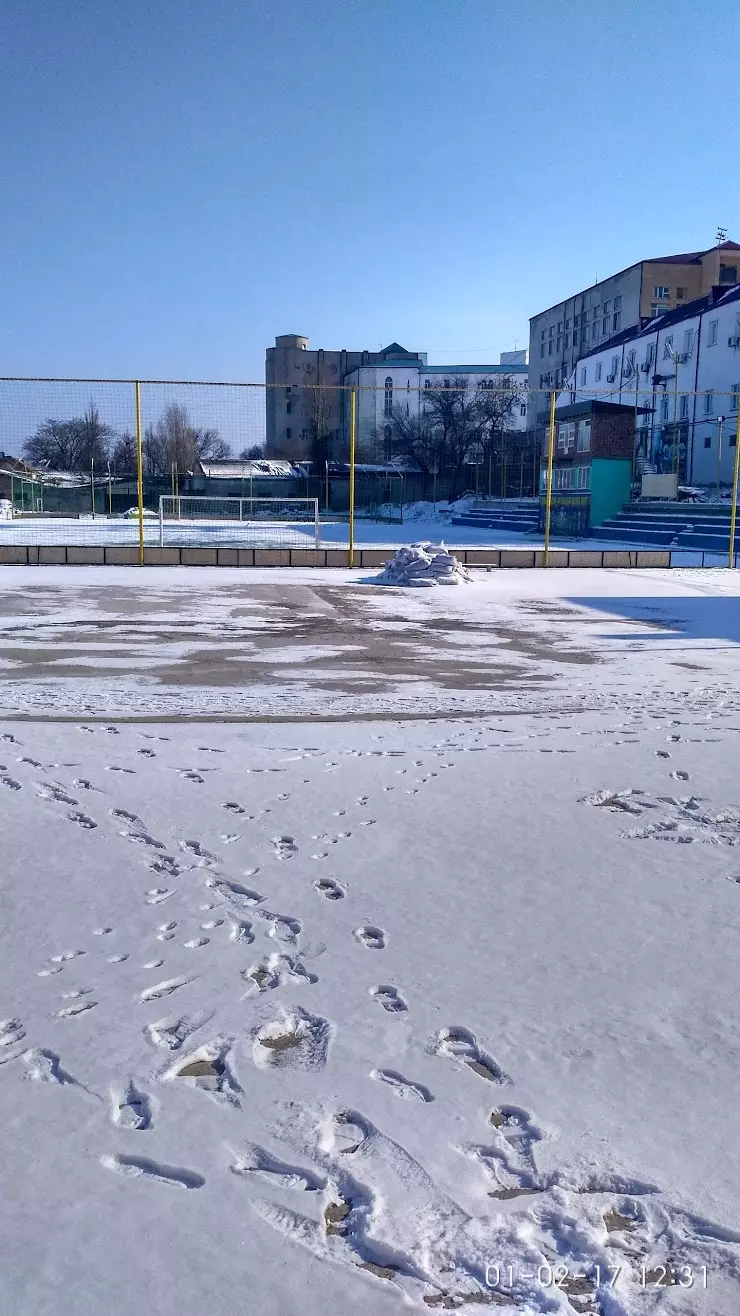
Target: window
{"type": "Point", "coordinates": [567, 341]}
{"type": "Point", "coordinates": [542, 335]}
{"type": "Point", "coordinates": [668, 348]}
{"type": "Point", "coordinates": [287, 391]}
{"type": "Point", "coordinates": [287, 408]}
{"type": "Point", "coordinates": [595, 331]}
{"type": "Point", "coordinates": [658, 308]}
{"type": "Point", "coordinates": [664, 407]}
{"type": "Point", "coordinates": [560, 344]}
{"type": "Point", "coordinates": [387, 441]}
{"type": "Point", "coordinates": [582, 477]}
{"type": "Point", "coordinates": [616, 321]}
{"type": "Point", "coordinates": [566, 436]}
{"type": "Point", "coordinates": [684, 406]}
{"type": "Point", "coordinates": [607, 308]}
{"type": "Point", "coordinates": [583, 376]}
{"type": "Point", "coordinates": [735, 394]}
{"type": "Point", "coordinates": [523, 409]}
{"type": "Point", "coordinates": [550, 347]}
{"type": "Point", "coordinates": [650, 354]}
{"type": "Point", "coordinates": [708, 403]}
{"type": "Point", "coordinates": [707, 440]}
{"type": "Point", "coordinates": [681, 294]}
{"type": "Point", "coordinates": [567, 324]}
{"type": "Point", "coordinates": [688, 341]}
{"type": "Point", "coordinates": [577, 321]}
{"type": "Point", "coordinates": [575, 337]}
{"type": "Point", "coordinates": [584, 316]}
{"type": "Point", "coordinates": [388, 407]}
{"type": "Point", "coordinates": [618, 303]}
{"type": "Point", "coordinates": [551, 331]}
{"type": "Point", "coordinates": [712, 333]}
{"type": "Point", "coordinates": [598, 371]}
{"type": "Point", "coordinates": [605, 325]}
{"type": "Point", "coordinates": [560, 326]}
{"type": "Point", "coordinates": [615, 367]}
{"type": "Point", "coordinates": [660, 291]}
{"type": "Point", "coordinates": [288, 432]}
{"type": "Point", "coordinates": [728, 273]}
{"type": "Point", "coordinates": [542, 353]}
{"type": "Point", "coordinates": [584, 435]}
{"type": "Point", "coordinates": [597, 312]}
{"type": "Point", "coordinates": [428, 382]}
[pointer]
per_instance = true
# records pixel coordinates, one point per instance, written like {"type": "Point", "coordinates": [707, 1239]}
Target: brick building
{"type": "Point", "coordinates": [592, 464]}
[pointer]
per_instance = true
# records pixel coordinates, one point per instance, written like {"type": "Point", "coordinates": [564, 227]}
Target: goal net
{"type": "Point", "coordinates": [239, 522]}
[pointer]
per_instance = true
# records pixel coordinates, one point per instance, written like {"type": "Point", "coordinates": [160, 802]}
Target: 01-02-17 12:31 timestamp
{"type": "Point", "coordinates": [561, 1277]}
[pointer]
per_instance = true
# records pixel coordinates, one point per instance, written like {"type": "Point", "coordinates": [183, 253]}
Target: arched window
{"type": "Point", "coordinates": [387, 442]}
{"type": "Point", "coordinates": [388, 409]}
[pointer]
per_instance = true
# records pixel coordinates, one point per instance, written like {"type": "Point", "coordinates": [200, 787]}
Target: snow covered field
{"type": "Point", "coordinates": [275, 534]}
{"type": "Point", "coordinates": [426, 1008]}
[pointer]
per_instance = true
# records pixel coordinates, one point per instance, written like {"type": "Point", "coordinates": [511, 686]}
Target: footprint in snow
{"type": "Point", "coordinates": [461, 1046]}
{"type": "Point", "coordinates": [401, 1086]}
{"type": "Point", "coordinates": [371, 937]}
{"type": "Point", "coordinates": [326, 886]}
{"type": "Point", "coordinates": [132, 1168]}
{"type": "Point", "coordinates": [115, 768]}
{"type": "Point", "coordinates": [164, 988]}
{"type": "Point", "coordinates": [390, 998]}
{"type": "Point", "coordinates": [130, 1108]}
{"type": "Point", "coordinates": [82, 820]}
{"type": "Point", "coordinates": [10, 782]}
{"type": "Point", "coordinates": [118, 959]}
{"type": "Point", "coordinates": [284, 847]}
{"type": "Point", "coordinates": [147, 753]}
{"type": "Point", "coordinates": [66, 955]}
{"type": "Point", "coordinates": [195, 943]}
{"type": "Point", "coordinates": [11, 1031]}
{"type": "Point", "coordinates": [157, 894]}
{"type": "Point", "coordinates": [680, 775]}
{"type": "Point", "coordinates": [80, 1007]}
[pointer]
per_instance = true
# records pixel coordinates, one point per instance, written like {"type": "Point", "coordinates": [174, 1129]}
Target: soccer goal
{"type": "Point", "coordinates": [239, 522]}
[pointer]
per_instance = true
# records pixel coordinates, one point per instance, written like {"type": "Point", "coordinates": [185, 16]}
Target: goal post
{"type": "Point", "coordinates": [241, 522]}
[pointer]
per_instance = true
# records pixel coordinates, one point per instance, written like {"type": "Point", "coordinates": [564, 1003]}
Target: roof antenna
{"type": "Point", "coordinates": [721, 235]}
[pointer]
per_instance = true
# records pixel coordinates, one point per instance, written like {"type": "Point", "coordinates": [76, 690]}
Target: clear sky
{"type": "Point", "coordinates": [183, 181]}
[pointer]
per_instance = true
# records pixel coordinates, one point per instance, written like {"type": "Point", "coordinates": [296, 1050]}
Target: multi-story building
{"type": "Point", "coordinates": [680, 374]}
{"type": "Point", "coordinates": [561, 335]}
{"type": "Point", "coordinates": [381, 389]}
{"type": "Point", "coordinates": [304, 400]}
{"type": "Point", "coordinates": [308, 393]}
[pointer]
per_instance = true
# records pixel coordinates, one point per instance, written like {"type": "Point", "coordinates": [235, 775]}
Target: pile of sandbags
{"type": "Point", "coordinates": [422, 566]}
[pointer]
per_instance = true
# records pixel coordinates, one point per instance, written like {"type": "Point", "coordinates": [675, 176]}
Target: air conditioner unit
{"type": "Point", "coordinates": [610, 379]}
{"type": "Point", "coordinates": [645, 367]}
{"type": "Point", "coordinates": [734, 341]}
{"type": "Point", "coordinates": [682, 357]}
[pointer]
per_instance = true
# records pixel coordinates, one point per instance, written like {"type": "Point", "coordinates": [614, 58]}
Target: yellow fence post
{"type": "Point", "coordinates": [139, 472]}
{"type": "Point", "coordinates": [352, 426]}
{"type": "Point", "coordinates": [733, 514]}
{"type": "Point", "coordinates": [548, 491]}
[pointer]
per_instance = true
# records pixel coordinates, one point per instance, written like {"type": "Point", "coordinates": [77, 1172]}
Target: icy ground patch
{"type": "Point", "coordinates": [383, 1018]}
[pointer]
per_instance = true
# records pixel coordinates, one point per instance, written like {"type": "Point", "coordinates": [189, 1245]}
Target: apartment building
{"type": "Point", "coordinates": [680, 374]}
{"type": "Point", "coordinates": [561, 335]}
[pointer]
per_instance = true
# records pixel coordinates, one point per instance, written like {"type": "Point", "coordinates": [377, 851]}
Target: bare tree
{"type": "Point", "coordinates": [320, 420]}
{"type": "Point", "coordinates": [252, 454]}
{"type": "Point", "coordinates": [407, 435]}
{"type": "Point", "coordinates": [453, 413]}
{"type": "Point", "coordinates": [173, 441]}
{"type": "Point", "coordinates": [71, 445]}
{"type": "Point", "coordinates": [123, 458]}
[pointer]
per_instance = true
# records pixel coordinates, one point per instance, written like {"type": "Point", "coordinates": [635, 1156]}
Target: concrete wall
{"type": "Point", "coordinates": [21, 555]}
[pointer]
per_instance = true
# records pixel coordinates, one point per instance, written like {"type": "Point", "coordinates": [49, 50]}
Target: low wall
{"type": "Point", "coordinates": [74, 555]}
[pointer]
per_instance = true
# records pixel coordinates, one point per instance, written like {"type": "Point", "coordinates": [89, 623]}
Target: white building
{"type": "Point", "coordinates": [381, 388]}
{"type": "Point", "coordinates": [682, 374]}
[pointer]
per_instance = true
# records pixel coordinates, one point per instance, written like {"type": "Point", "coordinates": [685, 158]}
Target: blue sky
{"type": "Point", "coordinates": [181, 182]}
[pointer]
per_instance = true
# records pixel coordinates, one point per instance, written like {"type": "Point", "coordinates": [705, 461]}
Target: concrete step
{"type": "Point", "coordinates": [493, 522]}
{"type": "Point", "coordinates": [618, 534]}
